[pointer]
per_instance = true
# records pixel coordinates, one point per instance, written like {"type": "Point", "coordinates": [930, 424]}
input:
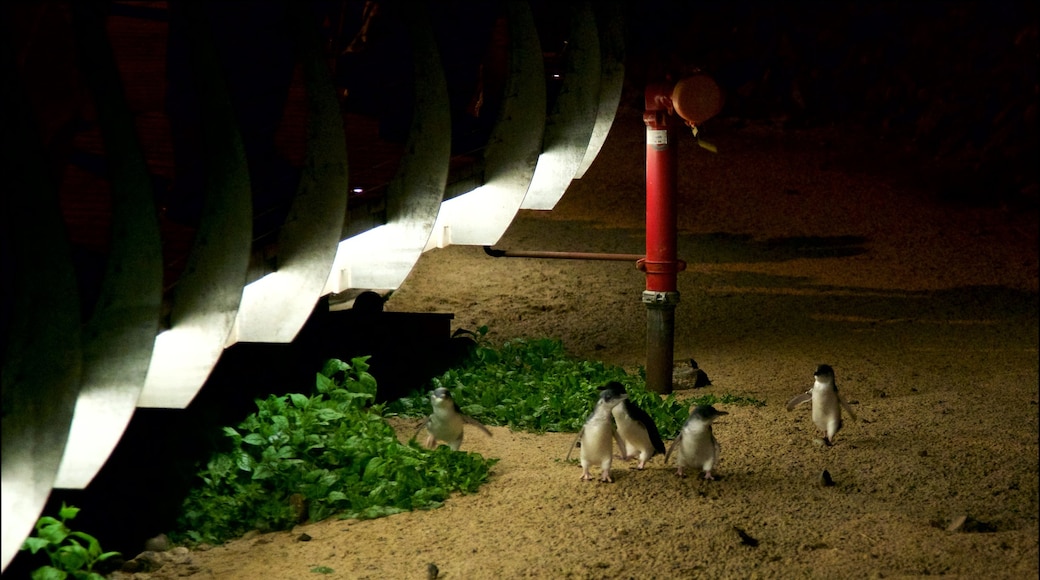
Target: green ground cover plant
{"type": "Point", "coordinates": [303, 457]}
{"type": "Point", "coordinates": [72, 554]}
{"type": "Point", "coordinates": [534, 385]}
{"type": "Point", "coordinates": [332, 453]}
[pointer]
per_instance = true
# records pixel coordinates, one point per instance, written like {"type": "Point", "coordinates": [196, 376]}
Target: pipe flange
{"type": "Point", "coordinates": [652, 298]}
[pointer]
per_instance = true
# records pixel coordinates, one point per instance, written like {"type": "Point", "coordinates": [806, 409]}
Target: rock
{"type": "Point", "coordinates": [432, 571]}
{"type": "Point", "coordinates": [957, 523]}
{"type": "Point", "coordinates": [687, 375]}
{"type": "Point", "coordinates": [159, 543]}
{"type": "Point", "coordinates": [303, 538]}
{"type": "Point", "coordinates": [825, 479]}
{"type": "Point", "coordinates": [746, 539]}
{"type": "Point", "coordinates": [968, 524]}
{"type": "Point", "coordinates": [144, 562]}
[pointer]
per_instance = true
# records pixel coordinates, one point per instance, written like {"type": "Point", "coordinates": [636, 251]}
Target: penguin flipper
{"type": "Point", "coordinates": [620, 443]}
{"type": "Point", "coordinates": [847, 408]}
{"type": "Point", "coordinates": [419, 428]}
{"type": "Point", "coordinates": [644, 419]}
{"type": "Point", "coordinates": [475, 423]}
{"type": "Point", "coordinates": [676, 441]}
{"type": "Point", "coordinates": [655, 438]}
{"type": "Point", "coordinates": [575, 444]}
{"type": "Point", "coordinates": [799, 400]}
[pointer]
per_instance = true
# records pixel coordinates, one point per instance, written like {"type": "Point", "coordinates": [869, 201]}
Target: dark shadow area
{"type": "Point", "coordinates": [743, 248]}
{"type": "Point", "coordinates": [711, 248]}
{"type": "Point", "coordinates": [776, 310]}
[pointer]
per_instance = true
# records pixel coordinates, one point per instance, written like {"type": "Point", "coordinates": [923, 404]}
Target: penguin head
{"type": "Point", "coordinates": [706, 413]}
{"type": "Point", "coordinates": [612, 394]}
{"type": "Point", "coordinates": [824, 372]}
{"type": "Point", "coordinates": [616, 389]}
{"type": "Point", "coordinates": [440, 395]}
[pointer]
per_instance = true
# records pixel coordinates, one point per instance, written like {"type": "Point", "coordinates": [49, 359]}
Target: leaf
{"type": "Point", "coordinates": [107, 555]}
{"type": "Point", "coordinates": [47, 521]}
{"type": "Point", "coordinates": [67, 512]}
{"type": "Point", "coordinates": [93, 547]}
{"type": "Point", "coordinates": [299, 401]}
{"type": "Point", "coordinates": [72, 556]}
{"type": "Point", "coordinates": [34, 544]}
{"type": "Point", "coordinates": [324, 384]}
{"type": "Point", "coordinates": [244, 462]}
{"type": "Point", "coordinates": [54, 533]}
{"type": "Point", "coordinates": [48, 573]}
{"type": "Point", "coordinates": [262, 471]}
{"type": "Point", "coordinates": [254, 439]}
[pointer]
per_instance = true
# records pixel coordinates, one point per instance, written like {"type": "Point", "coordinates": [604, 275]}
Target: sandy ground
{"type": "Point", "coordinates": [803, 248]}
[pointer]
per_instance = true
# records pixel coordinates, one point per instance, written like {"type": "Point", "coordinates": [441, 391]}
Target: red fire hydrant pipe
{"type": "Point", "coordinates": [661, 264]}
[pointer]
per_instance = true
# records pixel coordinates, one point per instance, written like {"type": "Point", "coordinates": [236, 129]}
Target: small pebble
{"type": "Point", "coordinates": [159, 543]}
{"type": "Point", "coordinates": [825, 479]}
{"type": "Point", "coordinates": [957, 523]}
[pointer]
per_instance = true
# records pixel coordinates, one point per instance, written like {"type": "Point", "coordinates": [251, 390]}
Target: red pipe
{"type": "Point", "coordinates": [661, 264]}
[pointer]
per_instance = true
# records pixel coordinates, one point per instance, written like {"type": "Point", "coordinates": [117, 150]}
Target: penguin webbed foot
{"type": "Point", "coordinates": [708, 476]}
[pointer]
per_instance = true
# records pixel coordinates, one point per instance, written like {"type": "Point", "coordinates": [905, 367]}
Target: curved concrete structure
{"type": "Point", "coordinates": [481, 216]}
{"type": "Point", "coordinates": [121, 362]}
{"type": "Point", "coordinates": [117, 342]}
{"type": "Point", "coordinates": [381, 258]}
{"type": "Point", "coordinates": [569, 125]}
{"type": "Point", "coordinates": [612, 77]}
{"type": "Point", "coordinates": [40, 375]}
{"type": "Point", "coordinates": [208, 293]}
{"type": "Point", "coordinates": [275, 307]}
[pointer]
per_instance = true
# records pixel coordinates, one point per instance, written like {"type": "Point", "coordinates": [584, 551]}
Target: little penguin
{"type": "Point", "coordinates": [638, 432]}
{"type": "Point", "coordinates": [446, 421]}
{"type": "Point", "coordinates": [597, 437]}
{"type": "Point", "coordinates": [826, 403]}
{"type": "Point", "coordinates": [696, 446]}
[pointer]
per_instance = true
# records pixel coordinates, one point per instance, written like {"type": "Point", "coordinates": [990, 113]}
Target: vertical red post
{"type": "Point", "coordinates": [661, 264]}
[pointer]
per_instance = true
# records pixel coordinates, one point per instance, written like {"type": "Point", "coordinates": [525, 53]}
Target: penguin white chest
{"type": "Point", "coordinates": [445, 424]}
{"type": "Point", "coordinates": [698, 448]}
{"type": "Point", "coordinates": [597, 441]}
{"type": "Point", "coordinates": [633, 433]}
{"type": "Point", "coordinates": [826, 410]}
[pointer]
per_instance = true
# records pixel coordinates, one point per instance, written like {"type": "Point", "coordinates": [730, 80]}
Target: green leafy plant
{"type": "Point", "coordinates": [303, 457]}
{"type": "Point", "coordinates": [72, 554]}
{"type": "Point", "coordinates": [534, 385]}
